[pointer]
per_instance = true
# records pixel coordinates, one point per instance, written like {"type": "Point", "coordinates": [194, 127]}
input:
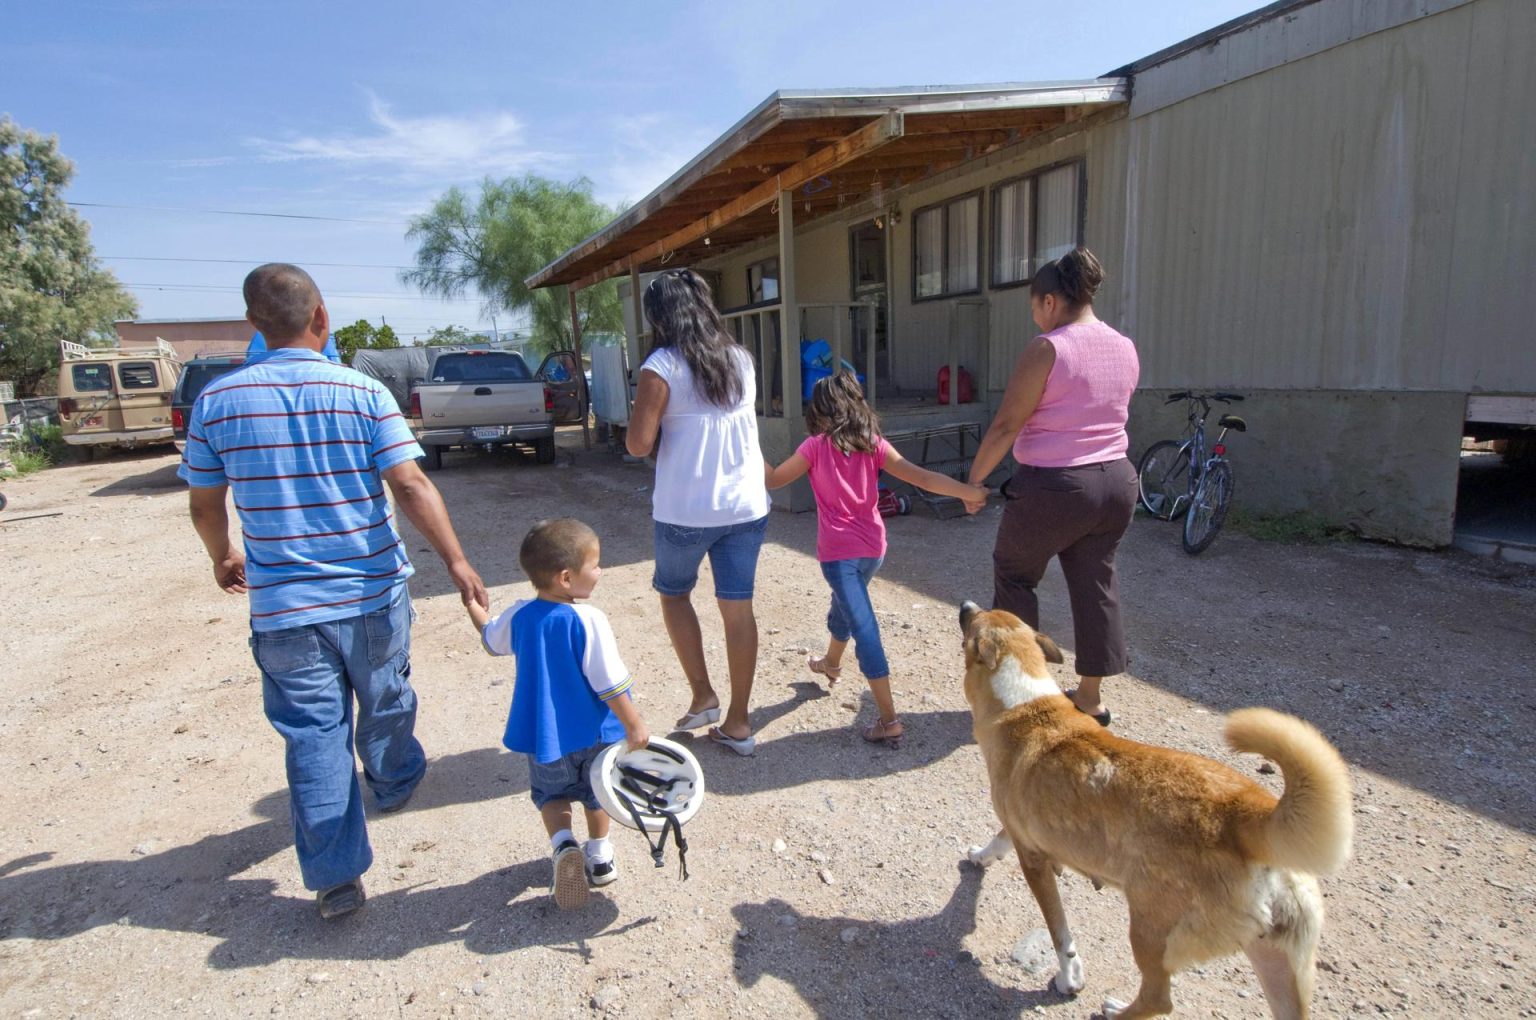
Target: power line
{"type": "Point", "coordinates": [234, 212]}
{"type": "Point", "coordinates": [248, 262]}
{"type": "Point", "coordinates": [212, 287]}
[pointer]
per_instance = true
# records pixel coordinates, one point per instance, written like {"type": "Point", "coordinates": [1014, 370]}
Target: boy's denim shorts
{"type": "Point", "coordinates": [564, 779]}
{"type": "Point", "coordinates": [732, 551]}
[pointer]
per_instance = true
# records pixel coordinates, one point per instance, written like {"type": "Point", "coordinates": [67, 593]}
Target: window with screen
{"type": "Point", "coordinates": [946, 248]}
{"type": "Point", "coordinates": [1035, 218]}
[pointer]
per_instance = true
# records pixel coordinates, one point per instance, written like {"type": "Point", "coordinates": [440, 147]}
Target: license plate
{"type": "Point", "coordinates": [482, 435]}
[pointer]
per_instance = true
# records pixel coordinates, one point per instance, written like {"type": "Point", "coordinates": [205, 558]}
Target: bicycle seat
{"type": "Point", "coordinates": [1226, 396]}
{"type": "Point", "coordinates": [1233, 422]}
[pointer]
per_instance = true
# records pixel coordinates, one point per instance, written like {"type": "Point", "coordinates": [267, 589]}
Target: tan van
{"type": "Point", "coordinates": [116, 397]}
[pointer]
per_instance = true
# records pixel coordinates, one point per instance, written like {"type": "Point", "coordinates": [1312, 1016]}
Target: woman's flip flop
{"type": "Point", "coordinates": [693, 720]}
{"type": "Point", "coordinates": [744, 746]}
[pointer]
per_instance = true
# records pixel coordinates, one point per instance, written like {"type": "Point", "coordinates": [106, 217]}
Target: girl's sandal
{"type": "Point", "coordinates": [888, 733]}
{"type": "Point", "coordinates": [818, 665]}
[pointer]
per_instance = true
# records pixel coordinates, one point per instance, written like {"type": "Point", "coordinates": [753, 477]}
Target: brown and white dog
{"type": "Point", "coordinates": [1209, 861]}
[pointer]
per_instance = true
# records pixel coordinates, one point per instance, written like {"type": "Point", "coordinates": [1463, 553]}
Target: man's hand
{"type": "Point", "coordinates": [471, 588]}
{"type": "Point", "coordinates": [229, 573]}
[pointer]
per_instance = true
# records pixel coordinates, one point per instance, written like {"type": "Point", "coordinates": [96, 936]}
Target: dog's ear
{"type": "Point", "coordinates": [1052, 653]}
{"type": "Point", "coordinates": [986, 648]}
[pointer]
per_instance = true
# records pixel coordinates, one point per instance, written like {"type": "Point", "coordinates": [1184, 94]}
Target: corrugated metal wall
{"type": "Point", "coordinates": [1363, 218]}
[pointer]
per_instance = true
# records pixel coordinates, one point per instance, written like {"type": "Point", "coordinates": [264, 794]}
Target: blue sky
{"type": "Point", "coordinates": [364, 113]}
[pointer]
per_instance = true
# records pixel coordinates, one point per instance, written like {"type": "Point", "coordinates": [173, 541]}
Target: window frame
{"type": "Point", "coordinates": [1033, 177]}
{"type": "Point", "coordinates": [980, 195]}
{"type": "Point", "coordinates": [759, 265]}
{"type": "Point", "coordinates": [123, 383]}
{"type": "Point", "coordinates": [75, 374]}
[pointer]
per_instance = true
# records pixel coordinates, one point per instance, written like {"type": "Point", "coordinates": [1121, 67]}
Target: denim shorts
{"type": "Point", "coordinates": [732, 551]}
{"type": "Point", "coordinates": [564, 779]}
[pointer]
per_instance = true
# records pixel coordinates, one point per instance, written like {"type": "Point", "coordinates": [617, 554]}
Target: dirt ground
{"type": "Point", "coordinates": [146, 864]}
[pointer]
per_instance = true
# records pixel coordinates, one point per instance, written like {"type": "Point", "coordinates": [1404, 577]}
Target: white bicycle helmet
{"type": "Point", "coordinates": [655, 789]}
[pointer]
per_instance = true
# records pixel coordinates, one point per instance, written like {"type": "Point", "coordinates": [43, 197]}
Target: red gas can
{"type": "Point", "coordinates": [967, 392]}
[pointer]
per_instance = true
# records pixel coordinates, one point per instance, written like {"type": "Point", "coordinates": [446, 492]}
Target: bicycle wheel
{"type": "Point", "coordinates": [1209, 509]}
{"type": "Point", "coordinates": [1162, 480]}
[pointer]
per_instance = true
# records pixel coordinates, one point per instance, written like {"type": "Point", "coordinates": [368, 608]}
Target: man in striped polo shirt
{"type": "Point", "coordinates": [307, 448]}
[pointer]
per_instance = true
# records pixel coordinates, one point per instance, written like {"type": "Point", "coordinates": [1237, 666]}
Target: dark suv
{"type": "Point", "coordinates": [195, 377]}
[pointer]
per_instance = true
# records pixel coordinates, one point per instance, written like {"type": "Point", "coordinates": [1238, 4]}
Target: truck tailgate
{"type": "Point", "coordinates": [465, 404]}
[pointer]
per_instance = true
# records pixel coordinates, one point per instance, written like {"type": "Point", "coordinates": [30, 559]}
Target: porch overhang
{"type": "Point", "coordinates": [831, 149]}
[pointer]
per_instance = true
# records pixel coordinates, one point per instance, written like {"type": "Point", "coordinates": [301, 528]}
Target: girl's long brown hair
{"type": "Point", "coordinates": [838, 411]}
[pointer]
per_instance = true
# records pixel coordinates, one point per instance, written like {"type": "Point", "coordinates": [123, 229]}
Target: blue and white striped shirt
{"type": "Point", "coordinates": [301, 443]}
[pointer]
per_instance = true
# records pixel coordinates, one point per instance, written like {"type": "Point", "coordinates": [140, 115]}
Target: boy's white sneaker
{"type": "Point", "coordinates": [600, 873]}
{"type": "Point", "coordinates": [570, 882]}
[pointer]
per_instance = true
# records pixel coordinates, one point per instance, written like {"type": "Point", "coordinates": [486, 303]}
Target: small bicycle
{"type": "Point", "coordinates": [1176, 479]}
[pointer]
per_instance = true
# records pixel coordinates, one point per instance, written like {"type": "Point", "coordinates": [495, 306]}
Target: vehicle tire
{"type": "Point", "coordinates": [433, 461]}
{"type": "Point", "coordinates": [544, 450]}
{"type": "Point", "coordinates": [1209, 508]}
{"type": "Point", "coordinates": [1162, 478]}
{"type": "Point", "coordinates": [3, 501]}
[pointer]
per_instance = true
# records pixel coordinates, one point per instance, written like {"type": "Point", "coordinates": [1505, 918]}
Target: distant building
{"type": "Point", "coordinates": [189, 337]}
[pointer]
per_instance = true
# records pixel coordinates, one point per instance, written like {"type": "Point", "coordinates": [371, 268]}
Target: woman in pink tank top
{"type": "Point", "coordinates": [1073, 492]}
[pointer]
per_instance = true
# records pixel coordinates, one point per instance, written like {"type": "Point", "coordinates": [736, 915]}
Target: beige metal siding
{"type": "Point", "coordinates": [1359, 219]}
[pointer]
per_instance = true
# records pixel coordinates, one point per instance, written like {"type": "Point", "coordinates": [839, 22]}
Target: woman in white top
{"type": "Point", "coordinates": [698, 390]}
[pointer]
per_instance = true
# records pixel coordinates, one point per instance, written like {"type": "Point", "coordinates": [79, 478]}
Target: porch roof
{"type": "Point", "coordinates": [831, 149]}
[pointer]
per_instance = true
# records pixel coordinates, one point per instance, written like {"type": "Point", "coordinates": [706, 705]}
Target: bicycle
{"type": "Point", "coordinates": [1176, 479]}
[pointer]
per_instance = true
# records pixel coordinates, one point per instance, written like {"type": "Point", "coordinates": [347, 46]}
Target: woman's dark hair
{"type": "Point", "coordinates": [679, 308]}
{"type": "Point", "coordinates": [837, 410]}
{"type": "Point", "coordinates": [1075, 277]}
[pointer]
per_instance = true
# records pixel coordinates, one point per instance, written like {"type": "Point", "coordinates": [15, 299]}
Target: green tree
{"type": "Point", "coordinates": [450, 336]}
{"type": "Point", "coordinates": [51, 286]}
{"type": "Point", "coordinates": [494, 241]}
{"type": "Point", "coordinates": [362, 333]}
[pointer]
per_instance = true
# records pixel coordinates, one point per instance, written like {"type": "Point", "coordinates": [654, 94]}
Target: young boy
{"type": "Point", "coordinates": [572, 695]}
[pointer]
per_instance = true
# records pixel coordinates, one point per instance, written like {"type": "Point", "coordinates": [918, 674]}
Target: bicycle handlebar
{"type": "Point", "coordinates": [1226, 398]}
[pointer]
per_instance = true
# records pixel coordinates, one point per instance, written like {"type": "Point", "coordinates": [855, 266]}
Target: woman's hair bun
{"type": "Point", "coordinates": [1080, 274]}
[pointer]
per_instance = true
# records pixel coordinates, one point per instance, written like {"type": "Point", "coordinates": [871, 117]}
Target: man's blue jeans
{"type": "Point", "coordinates": [310, 676]}
{"type": "Point", "coordinates": [852, 615]}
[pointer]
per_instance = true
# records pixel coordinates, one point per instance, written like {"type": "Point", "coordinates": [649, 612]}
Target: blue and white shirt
{"type": "Point", "coordinates": [568, 670]}
{"type": "Point", "coordinates": [301, 443]}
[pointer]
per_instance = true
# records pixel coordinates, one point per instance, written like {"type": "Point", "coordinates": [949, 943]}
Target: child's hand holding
{"type": "Point", "coordinates": [976, 501]}
{"type": "Point", "coordinates": [637, 735]}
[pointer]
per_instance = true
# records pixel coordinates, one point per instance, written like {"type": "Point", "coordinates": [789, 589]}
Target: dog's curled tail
{"type": "Point", "coordinates": [1312, 827]}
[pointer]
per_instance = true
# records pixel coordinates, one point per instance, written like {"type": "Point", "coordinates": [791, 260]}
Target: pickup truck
{"type": "Point", "coordinates": [490, 398]}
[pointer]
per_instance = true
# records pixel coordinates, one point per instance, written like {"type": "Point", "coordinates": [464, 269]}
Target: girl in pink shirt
{"type": "Point", "coordinates": [844, 455]}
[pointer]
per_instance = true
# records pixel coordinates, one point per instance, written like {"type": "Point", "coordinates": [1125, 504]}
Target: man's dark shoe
{"type": "Point", "coordinates": [340, 900]}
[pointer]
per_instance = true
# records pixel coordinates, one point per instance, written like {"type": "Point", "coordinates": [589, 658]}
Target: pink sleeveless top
{"type": "Point", "coordinates": [1081, 415]}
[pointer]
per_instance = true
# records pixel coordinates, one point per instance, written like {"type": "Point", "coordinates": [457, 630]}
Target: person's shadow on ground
{"type": "Point", "coordinates": [835, 753]}
{"type": "Point", "coordinates": [194, 888]}
{"type": "Point", "coordinates": [852, 967]}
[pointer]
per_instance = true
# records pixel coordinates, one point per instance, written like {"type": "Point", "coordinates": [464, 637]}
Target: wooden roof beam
{"type": "Point", "coordinates": [860, 143]}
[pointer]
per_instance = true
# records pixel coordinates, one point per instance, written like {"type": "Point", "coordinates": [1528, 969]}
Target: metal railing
{"type": "Point", "coordinates": [758, 330]}
{"type": "Point", "coordinates": [842, 314]}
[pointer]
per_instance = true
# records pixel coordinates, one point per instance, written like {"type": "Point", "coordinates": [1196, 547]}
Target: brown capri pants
{"type": "Point", "coordinates": [1078, 514]}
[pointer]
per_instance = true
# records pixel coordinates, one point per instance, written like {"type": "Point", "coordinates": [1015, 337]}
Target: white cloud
{"type": "Point", "coordinates": [648, 149]}
{"type": "Point", "coordinates": [458, 146]}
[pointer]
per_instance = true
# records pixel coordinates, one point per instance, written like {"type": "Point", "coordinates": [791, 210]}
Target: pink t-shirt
{"type": "Point", "coordinates": [1081, 415]}
{"type": "Point", "coordinates": [847, 488]}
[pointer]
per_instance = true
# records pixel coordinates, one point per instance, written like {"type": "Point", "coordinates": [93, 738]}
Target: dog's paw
{"type": "Point", "coordinates": [977, 855]}
{"type": "Point", "coordinates": [1069, 979]}
{"type": "Point", "coordinates": [1114, 1008]}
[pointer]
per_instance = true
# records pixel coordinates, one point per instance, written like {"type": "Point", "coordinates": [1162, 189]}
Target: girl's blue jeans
{"type": "Point", "coordinates": [852, 615]}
